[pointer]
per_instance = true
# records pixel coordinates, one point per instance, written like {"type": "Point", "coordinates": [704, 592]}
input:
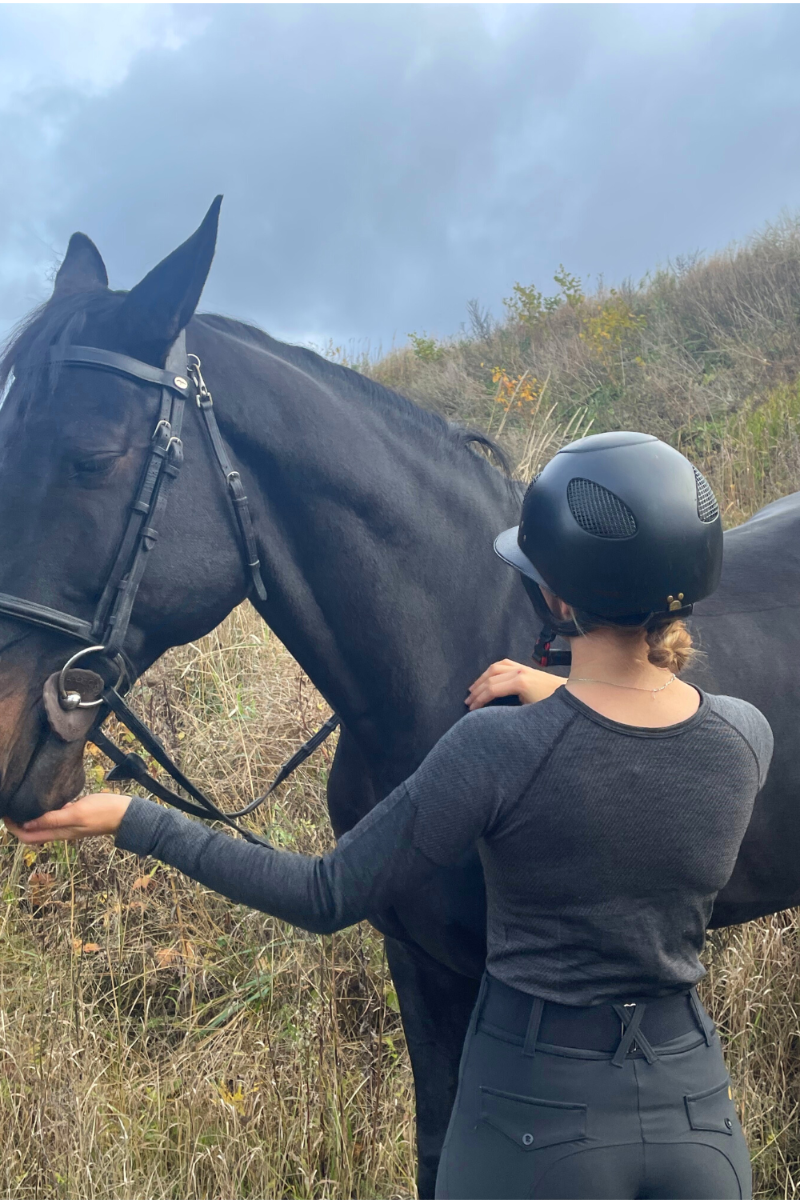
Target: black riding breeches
{"type": "Point", "coordinates": [652, 1117]}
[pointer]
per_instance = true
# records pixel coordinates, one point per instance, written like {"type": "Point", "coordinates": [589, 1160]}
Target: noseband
{"type": "Point", "coordinates": [104, 635]}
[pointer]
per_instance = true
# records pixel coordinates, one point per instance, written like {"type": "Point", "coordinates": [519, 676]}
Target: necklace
{"type": "Point", "coordinates": [628, 686]}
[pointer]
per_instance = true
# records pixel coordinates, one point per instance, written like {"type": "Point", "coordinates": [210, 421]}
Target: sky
{"type": "Point", "coordinates": [384, 164]}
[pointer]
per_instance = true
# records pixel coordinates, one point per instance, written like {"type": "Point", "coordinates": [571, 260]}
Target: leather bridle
{"type": "Point", "coordinates": [104, 635]}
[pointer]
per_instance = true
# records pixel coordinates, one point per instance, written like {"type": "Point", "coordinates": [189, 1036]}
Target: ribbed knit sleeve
{"type": "Point", "coordinates": [390, 851]}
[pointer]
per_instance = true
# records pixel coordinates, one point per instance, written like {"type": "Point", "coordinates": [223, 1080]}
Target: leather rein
{"type": "Point", "coordinates": [71, 716]}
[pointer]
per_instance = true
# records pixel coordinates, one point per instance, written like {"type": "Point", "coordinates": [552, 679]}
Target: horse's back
{"type": "Point", "coordinates": [761, 566]}
{"type": "Point", "coordinates": [749, 633]}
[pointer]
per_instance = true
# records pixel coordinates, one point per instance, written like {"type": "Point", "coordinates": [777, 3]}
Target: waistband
{"type": "Point", "coordinates": [621, 1028]}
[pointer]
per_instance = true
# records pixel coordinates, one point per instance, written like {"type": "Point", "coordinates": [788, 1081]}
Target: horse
{"type": "Point", "coordinates": [374, 522]}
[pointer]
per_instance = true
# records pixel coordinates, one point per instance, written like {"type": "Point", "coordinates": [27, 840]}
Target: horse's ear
{"type": "Point", "coordinates": [157, 309]}
{"type": "Point", "coordinates": [82, 270]}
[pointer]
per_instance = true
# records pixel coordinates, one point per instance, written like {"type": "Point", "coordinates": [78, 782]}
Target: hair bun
{"type": "Point", "coordinates": [670, 645]}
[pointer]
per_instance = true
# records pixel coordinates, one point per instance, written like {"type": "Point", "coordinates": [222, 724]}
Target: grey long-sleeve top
{"type": "Point", "coordinates": [603, 845]}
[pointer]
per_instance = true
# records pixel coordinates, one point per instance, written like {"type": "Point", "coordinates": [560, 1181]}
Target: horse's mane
{"type": "Point", "coordinates": [60, 320]}
{"type": "Point", "coordinates": [326, 372]}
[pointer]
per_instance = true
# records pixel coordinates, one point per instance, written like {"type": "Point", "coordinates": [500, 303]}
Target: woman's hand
{"type": "Point", "coordinates": [87, 817]}
{"type": "Point", "coordinates": [507, 678]}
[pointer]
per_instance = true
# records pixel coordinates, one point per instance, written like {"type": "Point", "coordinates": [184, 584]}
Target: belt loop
{"type": "Point", "coordinates": [481, 999]}
{"type": "Point", "coordinates": [535, 1020]}
{"type": "Point", "coordinates": [697, 1009]}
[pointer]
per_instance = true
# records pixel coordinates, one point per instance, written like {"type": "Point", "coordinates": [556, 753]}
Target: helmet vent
{"type": "Point", "coordinates": [707, 507]}
{"type": "Point", "coordinates": [598, 511]}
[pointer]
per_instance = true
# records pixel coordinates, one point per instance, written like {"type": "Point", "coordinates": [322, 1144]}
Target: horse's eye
{"type": "Point", "coordinates": [94, 467]}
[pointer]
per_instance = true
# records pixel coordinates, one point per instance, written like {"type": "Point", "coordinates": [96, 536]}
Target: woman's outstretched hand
{"type": "Point", "coordinates": [90, 816]}
{"type": "Point", "coordinates": [508, 678]}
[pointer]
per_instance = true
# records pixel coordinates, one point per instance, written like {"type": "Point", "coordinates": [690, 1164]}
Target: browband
{"type": "Point", "coordinates": [120, 364]}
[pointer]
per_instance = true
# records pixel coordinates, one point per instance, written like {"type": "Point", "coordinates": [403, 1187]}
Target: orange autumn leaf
{"type": "Point", "coordinates": [166, 955]}
{"type": "Point", "coordinates": [40, 879]}
{"type": "Point", "coordinates": [40, 885]}
{"type": "Point", "coordinates": [142, 882]}
{"type": "Point", "coordinates": [85, 947]}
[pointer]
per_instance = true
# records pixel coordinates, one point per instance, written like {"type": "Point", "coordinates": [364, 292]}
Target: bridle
{"type": "Point", "coordinates": [104, 635]}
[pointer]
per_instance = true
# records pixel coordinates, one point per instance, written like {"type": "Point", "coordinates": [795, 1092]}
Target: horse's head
{"type": "Point", "coordinates": [74, 442]}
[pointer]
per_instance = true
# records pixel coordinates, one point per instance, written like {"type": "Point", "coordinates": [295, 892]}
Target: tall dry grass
{"type": "Point", "coordinates": [157, 1041]}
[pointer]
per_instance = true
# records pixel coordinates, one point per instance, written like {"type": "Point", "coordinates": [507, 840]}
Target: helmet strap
{"type": "Point", "coordinates": [547, 657]}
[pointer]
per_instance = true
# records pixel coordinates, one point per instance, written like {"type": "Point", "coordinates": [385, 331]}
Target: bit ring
{"type": "Point", "coordinates": [72, 700]}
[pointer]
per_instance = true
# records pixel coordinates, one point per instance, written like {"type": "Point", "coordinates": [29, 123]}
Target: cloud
{"type": "Point", "coordinates": [382, 164]}
{"type": "Point", "coordinates": [54, 60]}
{"type": "Point", "coordinates": [86, 47]}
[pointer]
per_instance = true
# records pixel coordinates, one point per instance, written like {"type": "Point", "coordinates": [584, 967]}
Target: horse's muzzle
{"type": "Point", "coordinates": [53, 774]}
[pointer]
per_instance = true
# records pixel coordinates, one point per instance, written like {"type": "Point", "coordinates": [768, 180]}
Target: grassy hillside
{"type": "Point", "coordinates": [705, 354]}
{"type": "Point", "coordinates": [159, 1042]}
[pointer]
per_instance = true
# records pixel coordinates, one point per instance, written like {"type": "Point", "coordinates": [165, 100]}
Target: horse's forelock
{"type": "Point", "coordinates": [58, 322]}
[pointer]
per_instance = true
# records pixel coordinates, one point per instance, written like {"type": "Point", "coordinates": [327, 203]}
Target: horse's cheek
{"type": "Point", "coordinates": [20, 731]}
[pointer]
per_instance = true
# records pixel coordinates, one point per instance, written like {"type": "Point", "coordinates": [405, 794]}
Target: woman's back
{"type": "Point", "coordinates": [607, 842]}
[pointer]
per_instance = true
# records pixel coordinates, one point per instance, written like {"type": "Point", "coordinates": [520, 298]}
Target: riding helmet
{"type": "Point", "coordinates": [619, 525]}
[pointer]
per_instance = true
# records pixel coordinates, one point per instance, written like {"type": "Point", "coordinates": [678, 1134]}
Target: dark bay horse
{"type": "Point", "coordinates": [375, 523]}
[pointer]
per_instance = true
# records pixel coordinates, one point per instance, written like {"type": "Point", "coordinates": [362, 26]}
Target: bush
{"type": "Point", "coordinates": [679, 354]}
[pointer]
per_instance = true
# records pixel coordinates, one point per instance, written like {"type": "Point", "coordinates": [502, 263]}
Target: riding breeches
{"type": "Point", "coordinates": [649, 1118]}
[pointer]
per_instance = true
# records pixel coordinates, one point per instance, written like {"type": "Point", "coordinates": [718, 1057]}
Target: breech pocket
{"type": "Point", "coordinates": [712, 1110]}
{"type": "Point", "coordinates": [531, 1123]}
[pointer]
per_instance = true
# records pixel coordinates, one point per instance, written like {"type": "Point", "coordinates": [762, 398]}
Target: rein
{"type": "Point", "coordinates": [105, 634]}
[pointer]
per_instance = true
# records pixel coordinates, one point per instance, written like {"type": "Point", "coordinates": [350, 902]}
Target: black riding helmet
{"type": "Point", "coordinates": [620, 526]}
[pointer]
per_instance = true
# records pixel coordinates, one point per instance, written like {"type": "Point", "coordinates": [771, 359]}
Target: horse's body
{"type": "Point", "coordinates": [375, 523]}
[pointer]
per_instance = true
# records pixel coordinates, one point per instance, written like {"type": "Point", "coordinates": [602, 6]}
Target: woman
{"type": "Point", "coordinates": [607, 816]}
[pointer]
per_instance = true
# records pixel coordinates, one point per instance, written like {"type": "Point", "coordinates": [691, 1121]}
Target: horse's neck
{"type": "Point", "coordinates": [375, 534]}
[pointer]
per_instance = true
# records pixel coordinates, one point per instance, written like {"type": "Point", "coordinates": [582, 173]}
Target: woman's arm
{"type": "Point", "coordinates": [370, 863]}
{"type": "Point", "coordinates": [431, 819]}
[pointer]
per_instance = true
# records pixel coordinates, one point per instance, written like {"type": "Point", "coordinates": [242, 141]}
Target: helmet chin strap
{"type": "Point", "coordinates": [547, 657]}
{"type": "Point", "coordinates": [543, 654]}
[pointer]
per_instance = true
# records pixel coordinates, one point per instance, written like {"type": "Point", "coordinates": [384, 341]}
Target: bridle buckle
{"type": "Point", "coordinates": [162, 432]}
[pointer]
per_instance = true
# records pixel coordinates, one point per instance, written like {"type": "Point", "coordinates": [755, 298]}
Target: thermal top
{"type": "Point", "coordinates": [603, 845]}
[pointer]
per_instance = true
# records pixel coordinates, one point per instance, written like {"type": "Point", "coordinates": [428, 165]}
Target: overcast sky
{"type": "Point", "coordinates": [383, 164]}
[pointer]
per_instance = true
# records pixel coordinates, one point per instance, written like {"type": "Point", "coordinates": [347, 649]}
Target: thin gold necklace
{"type": "Point", "coordinates": [629, 686]}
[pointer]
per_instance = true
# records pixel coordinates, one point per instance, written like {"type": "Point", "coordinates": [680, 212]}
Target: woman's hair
{"type": "Point", "coordinates": [670, 645]}
{"type": "Point", "coordinates": [669, 641]}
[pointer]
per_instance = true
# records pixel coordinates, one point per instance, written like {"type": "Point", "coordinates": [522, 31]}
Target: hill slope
{"type": "Point", "coordinates": [704, 353]}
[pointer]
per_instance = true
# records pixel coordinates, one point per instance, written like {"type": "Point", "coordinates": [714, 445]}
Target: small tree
{"type": "Point", "coordinates": [426, 348]}
{"type": "Point", "coordinates": [609, 328]}
{"type": "Point", "coordinates": [529, 306]}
